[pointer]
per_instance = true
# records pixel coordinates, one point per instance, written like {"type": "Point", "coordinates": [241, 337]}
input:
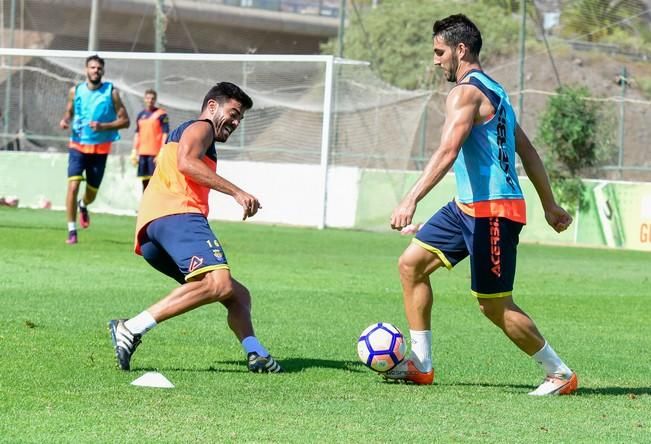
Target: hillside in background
{"type": "Point", "coordinates": [393, 38]}
{"type": "Point", "coordinates": [600, 72]}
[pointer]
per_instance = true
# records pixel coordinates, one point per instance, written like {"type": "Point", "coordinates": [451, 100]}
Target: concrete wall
{"type": "Point", "coordinates": [618, 214]}
{"type": "Point", "coordinates": [289, 193]}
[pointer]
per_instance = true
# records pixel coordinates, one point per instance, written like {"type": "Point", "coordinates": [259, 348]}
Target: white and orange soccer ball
{"type": "Point", "coordinates": [381, 346]}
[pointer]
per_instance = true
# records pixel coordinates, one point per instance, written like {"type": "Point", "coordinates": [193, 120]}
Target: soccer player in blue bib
{"type": "Point", "coordinates": [480, 138]}
{"type": "Point", "coordinates": [94, 113]}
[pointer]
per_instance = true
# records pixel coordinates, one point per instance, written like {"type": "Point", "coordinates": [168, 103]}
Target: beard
{"type": "Point", "coordinates": [451, 75]}
{"type": "Point", "coordinates": [95, 81]}
{"type": "Point", "coordinates": [219, 129]}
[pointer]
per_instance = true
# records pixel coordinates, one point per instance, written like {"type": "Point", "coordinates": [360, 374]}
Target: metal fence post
{"type": "Point", "coordinates": [623, 80]}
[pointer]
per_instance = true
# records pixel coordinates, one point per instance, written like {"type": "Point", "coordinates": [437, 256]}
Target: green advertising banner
{"type": "Point", "coordinates": [623, 214]}
{"type": "Point", "coordinates": [617, 214]}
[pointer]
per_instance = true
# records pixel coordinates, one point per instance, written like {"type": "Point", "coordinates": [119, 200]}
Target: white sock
{"type": "Point", "coordinates": [82, 204]}
{"type": "Point", "coordinates": [250, 344]}
{"type": "Point", "coordinates": [141, 323]}
{"type": "Point", "coordinates": [550, 361]}
{"type": "Point", "coordinates": [421, 349]}
{"type": "Point", "coordinates": [72, 226]}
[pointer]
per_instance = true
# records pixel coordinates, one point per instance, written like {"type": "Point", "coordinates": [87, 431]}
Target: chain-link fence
{"type": "Point", "coordinates": [369, 116]}
{"type": "Point", "coordinates": [371, 123]}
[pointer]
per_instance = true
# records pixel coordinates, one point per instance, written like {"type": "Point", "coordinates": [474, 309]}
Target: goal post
{"type": "Point", "coordinates": [314, 115]}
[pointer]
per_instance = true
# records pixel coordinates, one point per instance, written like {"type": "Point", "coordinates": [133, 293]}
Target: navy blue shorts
{"type": "Point", "coordinates": [491, 243]}
{"type": "Point", "coordinates": [146, 166]}
{"type": "Point", "coordinates": [182, 246]}
{"type": "Point", "coordinates": [93, 164]}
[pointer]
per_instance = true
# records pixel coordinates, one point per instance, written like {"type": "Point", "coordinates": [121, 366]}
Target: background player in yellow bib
{"type": "Point", "coordinates": [152, 127]}
{"type": "Point", "coordinates": [480, 138]}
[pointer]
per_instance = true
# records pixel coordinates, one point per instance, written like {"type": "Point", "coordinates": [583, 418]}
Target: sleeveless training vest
{"type": "Point", "coordinates": [487, 182]}
{"type": "Point", "coordinates": [170, 192]}
{"type": "Point", "coordinates": [93, 106]}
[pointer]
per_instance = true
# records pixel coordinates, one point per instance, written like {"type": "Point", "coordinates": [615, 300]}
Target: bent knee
{"type": "Point", "coordinates": [73, 185]}
{"type": "Point", "coordinates": [218, 288]}
{"type": "Point", "coordinates": [242, 295]}
{"type": "Point", "coordinates": [493, 311]}
{"type": "Point", "coordinates": [410, 268]}
{"type": "Point", "coordinates": [416, 263]}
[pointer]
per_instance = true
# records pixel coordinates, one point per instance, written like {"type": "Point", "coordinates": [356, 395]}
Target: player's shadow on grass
{"type": "Point", "coordinates": [614, 391]}
{"type": "Point", "coordinates": [582, 391]}
{"type": "Point", "coordinates": [289, 365]}
{"type": "Point", "coordinates": [488, 384]}
{"type": "Point", "coordinates": [30, 227]}
{"type": "Point", "coordinates": [294, 365]}
{"type": "Point", "coordinates": [115, 242]}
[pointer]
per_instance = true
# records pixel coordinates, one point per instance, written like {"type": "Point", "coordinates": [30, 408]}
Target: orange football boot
{"type": "Point", "coordinates": [408, 372]}
{"type": "Point", "coordinates": [557, 385]}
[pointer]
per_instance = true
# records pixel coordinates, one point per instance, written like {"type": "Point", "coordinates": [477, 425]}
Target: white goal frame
{"type": "Point", "coordinates": [7, 54]}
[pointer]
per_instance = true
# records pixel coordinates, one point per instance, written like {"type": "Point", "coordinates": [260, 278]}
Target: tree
{"type": "Point", "coordinates": [595, 20]}
{"type": "Point", "coordinates": [576, 136]}
{"type": "Point", "coordinates": [396, 36]}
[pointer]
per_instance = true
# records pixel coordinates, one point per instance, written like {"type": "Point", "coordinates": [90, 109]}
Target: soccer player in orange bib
{"type": "Point", "coordinates": [174, 237]}
{"type": "Point", "coordinates": [152, 127]}
{"type": "Point", "coordinates": [480, 138]}
{"type": "Point", "coordinates": [94, 113]}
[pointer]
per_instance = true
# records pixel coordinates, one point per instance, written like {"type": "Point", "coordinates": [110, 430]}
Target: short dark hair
{"type": "Point", "coordinates": [224, 91]}
{"type": "Point", "coordinates": [151, 91]}
{"type": "Point", "coordinates": [95, 57]}
{"type": "Point", "coordinates": [457, 29]}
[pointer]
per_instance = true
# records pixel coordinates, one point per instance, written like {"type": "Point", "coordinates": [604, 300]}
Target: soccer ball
{"type": "Point", "coordinates": [381, 346]}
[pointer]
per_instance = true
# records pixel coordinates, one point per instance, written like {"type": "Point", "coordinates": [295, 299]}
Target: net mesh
{"type": "Point", "coordinates": [565, 44]}
{"type": "Point", "coordinates": [372, 123]}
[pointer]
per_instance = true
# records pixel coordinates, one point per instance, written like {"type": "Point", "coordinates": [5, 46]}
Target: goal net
{"type": "Point", "coordinates": [368, 122]}
{"type": "Point", "coordinates": [313, 117]}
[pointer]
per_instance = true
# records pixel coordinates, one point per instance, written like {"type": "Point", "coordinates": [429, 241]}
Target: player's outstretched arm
{"type": "Point", "coordinates": [192, 147]}
{"type": "Point", "coordinates": [69, 111]}
{"type": "Point", "coordinates": [461, 108]}
{"type": "Point", "coordinates": [555, 215]}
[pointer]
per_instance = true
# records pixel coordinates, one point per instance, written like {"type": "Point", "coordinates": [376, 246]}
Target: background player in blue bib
{"type": "Point", "coordinates": [94, 113]}
{"type": "Point", "coordinates": [480, 138]}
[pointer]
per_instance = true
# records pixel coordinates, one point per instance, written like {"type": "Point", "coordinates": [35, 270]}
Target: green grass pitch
{"type": "Point", "coordinates": [314, 292]}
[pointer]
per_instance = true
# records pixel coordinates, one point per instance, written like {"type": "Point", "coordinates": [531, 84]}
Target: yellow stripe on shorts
{"type": "Point", "coordinates": [492, 295]}
{"type": "Point", "coordinates": [436, 251]}
{"type": "Point", "coordinates": [203, 270]}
